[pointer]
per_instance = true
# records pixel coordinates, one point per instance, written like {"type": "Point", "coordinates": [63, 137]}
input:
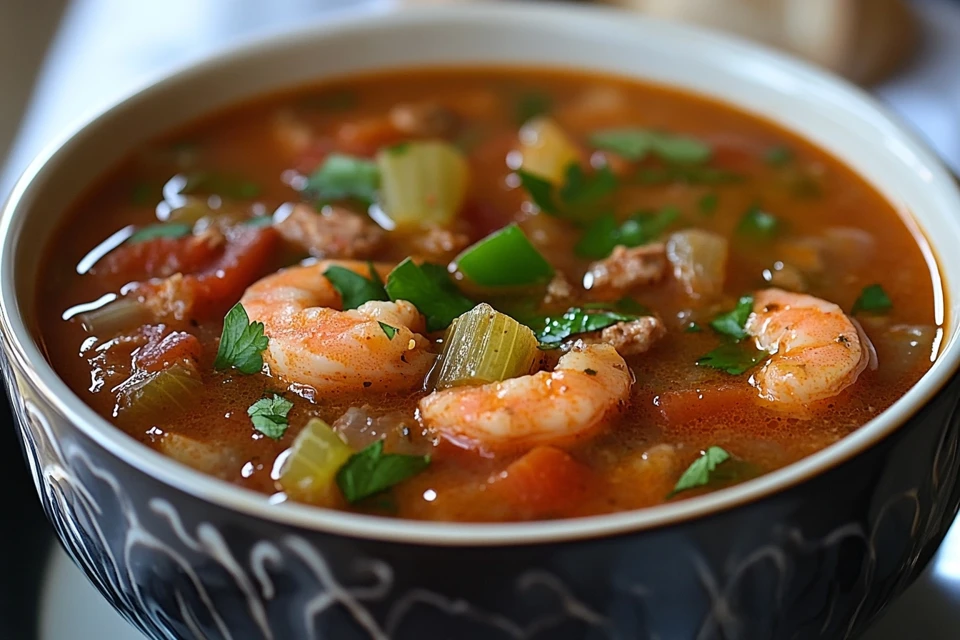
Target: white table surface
{"type": "Point", "coordinates": [103, 47]}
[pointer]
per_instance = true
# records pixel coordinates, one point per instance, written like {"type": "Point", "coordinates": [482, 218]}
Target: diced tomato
{"type": "Point", "coordinates": [679, 407]}
{"type": "Point", "coordinates": [545, 482]}
{"type": "Point", "coordinates": [211, 292]}
{"type": "Point", "coordinates": [159, 354]}
{"type": "Point", "coordinates": [365, 137]}
{"type": "Point", "coordinates": [159, 258]}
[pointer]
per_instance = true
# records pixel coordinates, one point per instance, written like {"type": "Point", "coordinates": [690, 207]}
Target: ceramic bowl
{"type": "Point", "coordinates": [813, 550]}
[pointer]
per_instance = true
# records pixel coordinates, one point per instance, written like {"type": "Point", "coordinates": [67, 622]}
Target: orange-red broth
{"type": "Point", "coordinates": [675, 409]}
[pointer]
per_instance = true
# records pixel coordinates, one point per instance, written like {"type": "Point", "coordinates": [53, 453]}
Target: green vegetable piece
{"type": "Point", "coordinates": [505, 258]}
{"type": "Point", "coordinates": [429, 288]}
{"type": "Point", "coordinates": [241, 343]}
{"type": "Point", "coordinates": [554, 330]}
{"type": "Point", "coordinates": [388, 330]}
{"type": "Point", "coordinates": [170, 230]}
{"type": "Point", "coordinates": [112, 318]}
{"type": "Point", "coordinates": [693, 175]}
{"type": "Point", "coordinates": [734, 359]}
{"type": "Point", "coordinates": [224, 185]}
{"type": "Point", "coordinates": [692, 327]}
{"type": "Point", "coordinates": [778, 156]}
{"type": "Point", "coordinates": [532, 104]}
{"type": "Point", "coordinates": [733, 322]}
{"type": "Point", "coordinates": [353, 288]}
{"type": "Point", "coordinates": [581, 190]}
{"type": "Point", "coordinates": [699, 473]}
{"type": "Point", "coordinates": [708, 203]}
{"type": "Point", "coordinates": [636, 144]}
{"type": "Point", "coordinates": [541, 192]}
{"type": "Point", "coordinates": [757, 223]}
{"type": "Point", "coordinates": [873, 299]}
{"type": "Point", "coordinates": [168, 392]}
{"type": "Point", "coordinates": [309, 472]}
{"type": "Point", "coordinates": [599, 239]}
{"type": "Point", "coordinates": [483, 346]}
{"type": "Point", "coordinates": [371, 471]}
{"type": "Point", "coordinates": [642, 228]}
{"type": "Point", "coordinates": [269, 416]}
{"type": "Point", "coordinates": [341, 177]}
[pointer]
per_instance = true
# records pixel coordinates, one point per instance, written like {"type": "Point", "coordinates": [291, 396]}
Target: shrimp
{"type": "Point", "coordinates": [588, 385]}
{"type": "Point", "coordinates": [817, 350]}
{"type": "Point", "coordinates": [313, 342]}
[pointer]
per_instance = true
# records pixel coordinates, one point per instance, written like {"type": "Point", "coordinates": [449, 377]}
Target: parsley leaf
{"type": "Point", "coordinates": [759, 224]}
{"type": "Point", "coordinates": [637, 144]}
{"type": "Point", "coordinates": [241, 342]}
{"type": "Point", "coordinates": [371, 471]}
{"type": "Point", "coordinates": [552, 330]}
{"type": "Point", "coordinates": [733, 322]}
{"type": "Point", "coordinates": [388, 330]}
{"type": "Point", "coordinates": [269, 416]}
{"type": "Point", "coordinates": [353, 288]}
{"type": "Point", "coordinates": [698, 474]}
{"type": "Point", "coordinates": [541, 192]}
{"type": "Point", "coordinates": [708, 203]}
{"type": "Point", "coordinates": [154, 231]}
{"type": "Point", "coordinates": [873, 299]}
{"type": "Point", "coordinates": [342, 176]}
{"type": "Point", "coordinates": [429, 288]}
{"type": "Point", "coordinates": [532, 104]}
{"type": "Point", "coordinates": [778, 156]}
{"type": "Point", "coordinates": [734, 359]}
{"type": "Point", "coordinates": [224, 185]}
{"type": "Point", "coordinates": [580, 190]}
{"type": "Point", "coordinates": [625, 305]}
{"type": "Point", "coordinates": [685, 174]}
{"type": "Point", "coordinates": [641, 228]}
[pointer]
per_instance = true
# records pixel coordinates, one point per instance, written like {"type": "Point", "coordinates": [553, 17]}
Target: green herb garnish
{"type": "Point", "coordinates": [873, 299]}
{"type": "Point", "coordinates": [532, 104]}
{"type": "Point", "coordinates": [757, 223]}
{"type": "Point", "coordinates": [637, 144]}
{"type": "Point", "coordinates": [641, 228]}
{"type": "Point", "coordinates": [224, 185]}
{"type": "Point", "coordinates": [778, 156]}
{"type": "Point", "coordinates": [241, 342]}
{"type": "Point", "coordinates": [734, 359]}
{"type": "Point", "coordinates": [353, 288]}
{"type": "Point", "coordinates": [429, 288]}
{"type": "Point", "coordinates": [387, 330]}
{"type": "Point", "coordinates": [169, 230]}
{"type": "Point", "coordinates": [693, 175]}
{"type": "Point", "coordinates": [699, 473]}
{"type": "Point", "coordinates": [708, 203]}
{"type": "Point", "coordinates": [553, 330]}
{"type": "Point", "coordinates": [341, 177]}
{"type": "Point", "coordinates": [269, 416]}
{"type": "Point", "coordinates": [732, 323]}
{"type": "Point", "coordinates": [371, 471]}
{"type": "Point", "coordinates": [505, 258]}
{"type": "Point", "coordinates": [541, 192]}
{"type": "Point", "coordinates": [577, 199]}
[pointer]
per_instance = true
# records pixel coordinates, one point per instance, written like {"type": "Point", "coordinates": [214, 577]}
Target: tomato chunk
{"type": "Point", "coordinates": [160, 353]}
{"type": "Point", "coordinates": [545, 482]}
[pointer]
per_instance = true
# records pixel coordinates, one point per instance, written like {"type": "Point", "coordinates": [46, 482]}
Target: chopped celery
{"type": "Point", "coordinates": [546, 151]}
{"type": "Point", "coordinates": [422, 184]}
{"type": "Point", "coordinates": [120, 315]}
{"type": "Point", "coordinates": [484, 345]}
{"type": "Point", "coordinates": [165, 393]}
{"type": "Point", "coordinates": [310, 470]}
{"type": "Point", "coordinates": [504, 258]}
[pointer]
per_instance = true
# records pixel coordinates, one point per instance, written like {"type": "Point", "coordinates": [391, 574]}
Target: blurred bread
{"type": "Point", "coordinates": [864, 40]}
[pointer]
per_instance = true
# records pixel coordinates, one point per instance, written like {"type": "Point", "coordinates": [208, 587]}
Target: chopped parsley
{"type": "Point", "coordinates": [693, 175]}
{"type": "Point", "coordinates": [224, 185]}
{"type": "Point", "coordinates": [370, 471]}
{"type": "Point", "coordinates": [541, 192]}
{"type": "Point", "coordinates": [758, 224]}
{"type": "Point", "coordinates": [641, 228]}
{"type": "Point", "coordinates": [733, 358]}
{"type": "Point", "coordinates": [637, 144]}
{"type": "Point", "coordinates": [353, 288]}
{"type": "Point", "coordinates": [732, 323]}
{"type": "Point", "coordinates": [873, 299]}
{"type": "Point", "coordinates": [553, 330]}
{"type": "Point", "coordinates": [343, 177]}
{"type": "Point", "coordinates": [708, 203]}
{"type": "Point", "coordinates": [269, 416]}
{"type": "Point", "coordinates": [241, 343]}
{"type": "Point", "coordinates": [387, 330]}
{"type": "Point", "coordinates": [532, 104]}
{"type": "Point", "coordinates": [700, 472]}
{"type": "Point", "coordinates": [778, 156]}
{"type": "Point", "coordinates": [577, 199]}
{"type": "Point", "coordinates": [154, 231]}
{"type": "Point", "coordinates": [429, 288]}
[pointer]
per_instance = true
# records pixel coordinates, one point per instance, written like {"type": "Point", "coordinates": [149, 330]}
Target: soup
{"type": "Point", "coordinates": [486, 295]}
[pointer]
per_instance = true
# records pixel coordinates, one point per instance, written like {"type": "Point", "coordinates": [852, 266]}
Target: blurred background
{"type": "Point", "coordinates": [63, 59]}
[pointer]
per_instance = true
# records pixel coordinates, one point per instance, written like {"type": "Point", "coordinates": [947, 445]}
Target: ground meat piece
{"type": "Point", "coordinates": [423, 119]}
{"type": "Point", "coordinates": [559, 289]}
{"type": "Point", "coordinates": [630, 338]}
{"type": "Point", "coordinates": [440, 244]}
{"type": "Point", "coordinates": [332, 233]}
{"type": "Point", "coordinates": [628, 268]}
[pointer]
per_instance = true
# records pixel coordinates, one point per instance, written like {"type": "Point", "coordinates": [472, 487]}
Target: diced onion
{"type": "Point", "coordinates": [422, 184]}
{"type": "Point", "coordinates": [699, 260]}
{"type": "Point", "coordinates": [546, 151]}
{"type": "Point", "coordinates": [310, 470]}
{"type": "Point", "coordinates": [484, 345]}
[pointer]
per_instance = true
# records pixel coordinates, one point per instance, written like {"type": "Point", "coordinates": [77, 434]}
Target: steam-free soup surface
{"type": "Point", "coordinates": [507, 295]}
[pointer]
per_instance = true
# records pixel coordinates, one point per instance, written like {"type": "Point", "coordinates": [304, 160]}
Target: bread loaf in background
{"type": "Point", "coordinates": [864, 40]}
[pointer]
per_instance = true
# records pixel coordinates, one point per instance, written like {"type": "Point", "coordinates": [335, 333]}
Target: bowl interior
{"type": "Point", "coordinates": [827, 111]}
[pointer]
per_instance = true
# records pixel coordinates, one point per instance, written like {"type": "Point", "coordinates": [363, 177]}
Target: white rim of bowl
{"type": "Point", "coordinates": [204, 487]}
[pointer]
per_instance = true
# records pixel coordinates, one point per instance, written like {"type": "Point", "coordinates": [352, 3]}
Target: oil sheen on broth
{"type": "Point", "coordinates": [616, 295]}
